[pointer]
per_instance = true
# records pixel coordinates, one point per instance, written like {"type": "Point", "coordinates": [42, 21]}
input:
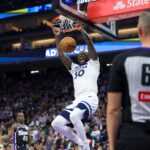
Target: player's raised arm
{"type": "Point", "coordinates": [65, 59]}
{"type": "Point", "coordinates": [88, 41]}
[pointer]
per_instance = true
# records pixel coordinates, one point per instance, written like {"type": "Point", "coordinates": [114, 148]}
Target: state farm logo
{"type": "Point", "coordinates": [130, 3]}
{"type": "Point", "coordinates": [119, 5]}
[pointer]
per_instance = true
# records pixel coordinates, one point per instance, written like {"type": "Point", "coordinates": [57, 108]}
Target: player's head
{"type": "Point", "coordinates": [83, 57]}
{"type": "Point", "coordinates": [20, 117]}
{"type": "Point", "coordinates": [144, 26]}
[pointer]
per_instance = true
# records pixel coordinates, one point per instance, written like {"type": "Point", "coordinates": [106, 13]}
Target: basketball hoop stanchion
{"type": "Point", "coordinates": [76, 15]}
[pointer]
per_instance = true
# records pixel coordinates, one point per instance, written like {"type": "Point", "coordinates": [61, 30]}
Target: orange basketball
{"type": "Point", "coordinates": [68, 44]}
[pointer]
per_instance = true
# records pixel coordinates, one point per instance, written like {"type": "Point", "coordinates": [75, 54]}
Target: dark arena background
{"type": "Point", "coordinates": [33, 79]}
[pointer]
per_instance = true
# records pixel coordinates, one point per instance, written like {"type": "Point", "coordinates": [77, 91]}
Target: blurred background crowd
{"type": "Point", "coordinates": [41, 97]}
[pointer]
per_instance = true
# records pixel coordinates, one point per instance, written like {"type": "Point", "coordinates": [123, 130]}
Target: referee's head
{"type": "Point", "coordinates": [144, 27]}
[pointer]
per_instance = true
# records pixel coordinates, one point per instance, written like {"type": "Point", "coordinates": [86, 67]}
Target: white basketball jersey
{"type": "Point", "coordinates": [85, 77]}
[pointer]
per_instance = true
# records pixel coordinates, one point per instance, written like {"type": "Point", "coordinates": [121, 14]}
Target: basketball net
{"type": "Point", "coordinates": [63, 24]}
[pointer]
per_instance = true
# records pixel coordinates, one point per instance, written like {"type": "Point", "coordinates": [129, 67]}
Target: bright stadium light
{"type": "Point", "coordinates": [34, 71]}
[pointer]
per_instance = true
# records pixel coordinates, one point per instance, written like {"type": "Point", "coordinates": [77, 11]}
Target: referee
{"type": "Point", "coordinates": [128, 109]}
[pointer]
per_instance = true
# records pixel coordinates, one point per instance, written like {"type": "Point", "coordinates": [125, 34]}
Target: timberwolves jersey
{"type": "Point", "coordinates": [21, 137]}
{"type": "Point", "coordinates": [130, 75]}
{"type": "Point", "coordinates": [85, 77]}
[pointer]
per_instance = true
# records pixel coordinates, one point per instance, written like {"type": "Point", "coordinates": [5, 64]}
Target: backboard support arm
{"type": "Point", "coordinates": [109, 33]}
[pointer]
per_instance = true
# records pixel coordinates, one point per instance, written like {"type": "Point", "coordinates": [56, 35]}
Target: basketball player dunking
{"type": "Point", "coordinates": [20, 134]}
{"type": "Point", "coordinates": [85, 75]}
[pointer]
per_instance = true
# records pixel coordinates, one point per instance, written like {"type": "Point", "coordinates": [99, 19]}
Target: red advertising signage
{"type": "Point", "coordinates": [107, 10]}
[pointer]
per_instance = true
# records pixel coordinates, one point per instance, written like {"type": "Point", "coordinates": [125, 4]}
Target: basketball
{"type": "Point", "coordinates": [68, 44]}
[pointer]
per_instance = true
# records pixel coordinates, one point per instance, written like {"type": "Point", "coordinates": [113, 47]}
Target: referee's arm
{"type": "Point", "coordinates": [113, 117]}
{"type": "Point", "coordinates": [114, 104]}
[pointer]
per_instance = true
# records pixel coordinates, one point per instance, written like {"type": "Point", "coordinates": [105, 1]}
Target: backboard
{"type": "Point", "coordinates": [77, 11]}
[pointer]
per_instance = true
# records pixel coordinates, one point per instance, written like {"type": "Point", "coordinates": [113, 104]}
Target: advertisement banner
{"type": "Point", "coordinates": [50, 53]}
{"type": "Point", "coordinates": [100, 47]}
{"type": "Point", "coordinates": [102, 11]}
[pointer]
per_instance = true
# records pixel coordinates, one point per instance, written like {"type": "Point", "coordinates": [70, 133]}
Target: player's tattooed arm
{"type": "Point", "coordinates": [88, 41]}
{"type": "Point", "coordinates": [65, 59]}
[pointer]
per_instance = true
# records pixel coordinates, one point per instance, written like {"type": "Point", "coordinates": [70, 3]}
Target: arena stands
{"type": "Point", "coordinates": [41, 97]}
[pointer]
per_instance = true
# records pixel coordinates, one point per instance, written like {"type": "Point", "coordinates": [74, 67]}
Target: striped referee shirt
{"type": "Point", "coordinates": [130, 75]}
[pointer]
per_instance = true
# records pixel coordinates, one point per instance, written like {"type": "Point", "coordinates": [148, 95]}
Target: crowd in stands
{"type": "Point", "coordinates": [40, 27]}
{"type": "Point", "coordinates": [41, 97]}
{"type": "Point", "coordinates": [25, 43]}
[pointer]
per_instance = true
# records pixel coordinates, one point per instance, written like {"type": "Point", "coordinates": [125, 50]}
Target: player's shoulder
{"type": "Point", "coordinates": [94, 61]}
{"type": "Point", "coordinates": [14, 126]}
{"type": "Point", "coordinates": [26, 127]}
{"type": "Point", "coordinates": [128, 53]}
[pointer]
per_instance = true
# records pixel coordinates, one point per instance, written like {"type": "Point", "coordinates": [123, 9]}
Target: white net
{"type": "Point", "coordinates": [63, 24]}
